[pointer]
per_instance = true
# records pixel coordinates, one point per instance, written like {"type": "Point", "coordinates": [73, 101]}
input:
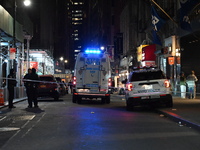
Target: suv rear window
{"type": "Point", "coordinates": [149, 75]}
{"type": "Point", "coordinates": [46, 79]}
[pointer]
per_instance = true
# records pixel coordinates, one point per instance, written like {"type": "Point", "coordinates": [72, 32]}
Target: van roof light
{"type": "Point", "coordinates": [93, 51]}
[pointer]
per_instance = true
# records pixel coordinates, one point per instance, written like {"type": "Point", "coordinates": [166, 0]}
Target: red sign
{"type": "Point", "coordinates": [12, 53]}
{"type": "Point", "coordinates": [171, 60]}
{"type": "Point", "coordinates": [34, 64]}
{"type": "Point", "coordinates": [148, 53]}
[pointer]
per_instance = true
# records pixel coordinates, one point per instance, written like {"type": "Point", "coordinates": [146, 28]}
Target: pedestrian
{"type": "Point", "coordinates": [183, 85]}
{"type": "Point", "coordinates": [27, 84]}
{"type": "Point", "coordinates": [191, 79]}
{"type": "Point", "coordinates": [11, 88]}
{"type": "Point", "coordinates": [70, 84]}
{"type": "Point", "coordinates": [33, 88]}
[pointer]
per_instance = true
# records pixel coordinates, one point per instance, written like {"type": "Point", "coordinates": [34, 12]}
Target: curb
{"type": "Point", "coordinates": [179, 120]}
{"type": "Point", "coordinates": [14, 101]}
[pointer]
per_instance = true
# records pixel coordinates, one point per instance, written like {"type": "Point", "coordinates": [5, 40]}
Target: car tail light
{"type": "Point", "coordinates": [129, 86]}
{"type": "Point", "coordinates": [167, 83]}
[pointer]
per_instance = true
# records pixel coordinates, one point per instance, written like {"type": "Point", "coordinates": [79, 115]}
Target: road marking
{"type": "Point", "coordinates": [3, 129]}
{"type": "Point", "coordinates": [2, 118]}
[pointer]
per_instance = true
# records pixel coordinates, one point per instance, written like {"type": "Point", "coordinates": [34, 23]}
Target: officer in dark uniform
{"type": "Point", "coordinates": [27, 84]}
{"type": "Point", "coordinates": [33, 87]}
{"type": "Point", "coordinates": [11, 87]}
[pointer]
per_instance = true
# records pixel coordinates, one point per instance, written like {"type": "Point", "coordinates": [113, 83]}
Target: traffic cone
{"type": "Point", "coordinates": [1, 97]}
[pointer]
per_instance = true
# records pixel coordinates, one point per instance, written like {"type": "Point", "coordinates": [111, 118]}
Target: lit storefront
{"type": "Point", "coordinates": [41, 61]}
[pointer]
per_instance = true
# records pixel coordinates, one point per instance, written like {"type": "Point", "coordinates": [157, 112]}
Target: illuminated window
{"type": "Point", "coordinates": [77, 51]}
{"type": "Point", "coordinates": [77, 15]}
{"type": "Point", "coordinates": [76, 23]}
{"type": "Point", "coordinates": [76, 19]}
{"type": "Point", "coordinates": [75, 35]}
{"type": "Point", "coordinates": [77, 11]}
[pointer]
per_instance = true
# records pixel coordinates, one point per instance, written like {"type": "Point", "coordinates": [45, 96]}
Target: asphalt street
{"type": "Point", "coordinates": [184, 112]}
{"type": "Point", "coordinates": [65, 125]}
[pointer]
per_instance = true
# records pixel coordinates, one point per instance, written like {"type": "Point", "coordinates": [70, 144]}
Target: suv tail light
{"type": "Point", "coordinates": [167, 83]}
{"type": "Point", "coordinates": [129, 86]}
{"type": "Point", "coordinates": [109, 82]}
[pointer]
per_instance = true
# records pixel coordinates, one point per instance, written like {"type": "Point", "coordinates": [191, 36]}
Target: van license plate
{"type": "Point", "coordinates": [155, 96]}
{"type": "Point", "coordinates": [145, 97]}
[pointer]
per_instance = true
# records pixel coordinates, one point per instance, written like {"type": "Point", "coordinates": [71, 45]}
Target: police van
{"type": "Point", "coordinates": [92, 76]}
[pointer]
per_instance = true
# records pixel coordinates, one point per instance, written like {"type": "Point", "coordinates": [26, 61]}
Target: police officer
{"type": "Point", "coordinates": [33, 88]}
{"type": "Point", "coordinates": [27, 84]}
{"type": "Point", "coordinates": [11, 87]}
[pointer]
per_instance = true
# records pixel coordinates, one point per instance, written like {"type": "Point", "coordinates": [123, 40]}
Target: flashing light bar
{"type": "Point", "coordinates": [93, 51]}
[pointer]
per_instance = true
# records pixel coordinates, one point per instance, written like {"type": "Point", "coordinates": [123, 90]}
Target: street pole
{"type": "Point", "coordinates": [28, 38]}
{"type": "Point", "coordinates": [1, 63]}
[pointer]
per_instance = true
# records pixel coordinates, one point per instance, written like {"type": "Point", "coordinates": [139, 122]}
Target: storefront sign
{"type": "Point", "coordinates": [12, 53]}
{"type": "Point", "coordinates": [171, 60]}
{"type": "Point", "coordinates": [34, 64]}
{"type": "Point", "coordinates": [139, 52]}
{"type": "Point", "coordinates": [148, 53]}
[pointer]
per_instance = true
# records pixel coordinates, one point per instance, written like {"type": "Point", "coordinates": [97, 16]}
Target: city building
{"type": "Point", "coordinates": [76, 22]}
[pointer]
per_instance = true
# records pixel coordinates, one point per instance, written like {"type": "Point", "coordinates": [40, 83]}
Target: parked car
{"type": "Point", "coordinates": [63, 89]}
{"type": "Point", "coordinates": [48, 87]}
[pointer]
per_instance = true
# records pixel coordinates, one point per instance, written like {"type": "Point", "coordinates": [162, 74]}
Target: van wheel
{"type": "Point", "coordinates": [103, 100]}
{"type": "Point", "coordinates": [74, 99]}
{"type": "Point", "coordinates": [108, 100]}
{"type": "Point", "coordinates": [79, 100]}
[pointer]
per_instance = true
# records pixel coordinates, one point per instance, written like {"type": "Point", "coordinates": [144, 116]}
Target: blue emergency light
{"type": "Point", "coordinates": [93, 51]}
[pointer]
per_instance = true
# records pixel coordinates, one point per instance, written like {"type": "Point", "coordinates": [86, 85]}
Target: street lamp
{"type": "Point", "coordinates": [61, 58]}
{"type": "Point", "coordinates": [27, 2]}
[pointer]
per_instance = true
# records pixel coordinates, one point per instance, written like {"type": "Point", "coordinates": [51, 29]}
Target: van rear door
{"type": "Point", "coordinates": [92, 74]}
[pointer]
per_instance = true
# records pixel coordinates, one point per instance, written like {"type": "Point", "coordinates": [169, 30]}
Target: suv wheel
{"type": "Point", "coordinates": [129, 106]}
{"type": "Point", "coordinates": [169, 103]}
{"type": "Point", "coordinates": [56, 98]}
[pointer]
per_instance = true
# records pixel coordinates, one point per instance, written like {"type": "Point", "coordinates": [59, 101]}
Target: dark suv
{"type": "Point", "coordinates": [147, 86]}
{"type": "Point", "coordinates": [48, 87]}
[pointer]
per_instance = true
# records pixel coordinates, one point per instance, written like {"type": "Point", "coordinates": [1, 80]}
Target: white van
{"type": "Point", "coordinates": [91, 76]}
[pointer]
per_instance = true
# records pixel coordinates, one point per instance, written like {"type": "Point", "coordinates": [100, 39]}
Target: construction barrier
{"type": "Point", "coordinates": [1, 97]}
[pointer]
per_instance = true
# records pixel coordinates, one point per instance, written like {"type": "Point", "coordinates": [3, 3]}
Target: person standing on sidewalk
{"type": "Point", "coordinates": [27, 84]}
{"type": "Point", "coordinates": [33, 88]}
{"type": "Point", "coordinates": [191, 79]}
{"type": "Point", "coordinates": [11, 87]}
{"type": "Point", "coordinates": [183, 85]}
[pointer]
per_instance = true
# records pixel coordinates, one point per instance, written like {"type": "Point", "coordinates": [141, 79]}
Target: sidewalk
{"type": "Point", "coordinates": [184, 112]}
